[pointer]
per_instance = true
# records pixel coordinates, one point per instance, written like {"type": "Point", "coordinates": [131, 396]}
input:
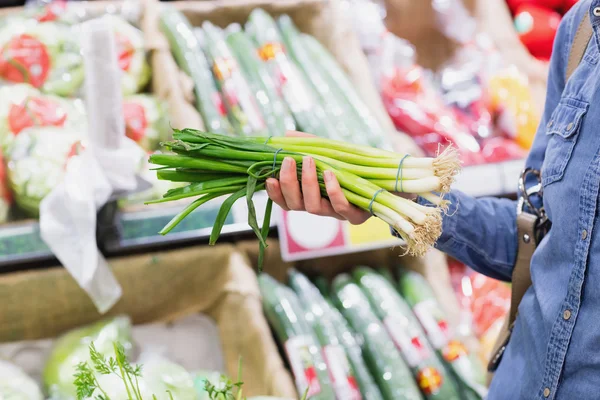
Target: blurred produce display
{"type": "Point", "coordinates": [475, 100]}
{"type": "Point", "coordinates": [485, 302]}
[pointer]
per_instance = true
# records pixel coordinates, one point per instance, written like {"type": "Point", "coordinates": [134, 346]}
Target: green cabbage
{"type": "Point", "coordinates": [200, 378]}
{"type": "Point", "coordinates": [161, 375]}
{"type": "Point", "coordinates": [16, 385]}
{"type": "Point", "coordinates": [73, 348]}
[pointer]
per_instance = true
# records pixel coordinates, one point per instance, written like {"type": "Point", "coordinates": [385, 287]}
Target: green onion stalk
{"type": "Point", "coordinates": [216, 165]}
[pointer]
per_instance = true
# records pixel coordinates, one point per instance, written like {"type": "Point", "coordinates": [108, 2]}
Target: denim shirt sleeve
{"type": "Point", "coordinates": [482, 232]}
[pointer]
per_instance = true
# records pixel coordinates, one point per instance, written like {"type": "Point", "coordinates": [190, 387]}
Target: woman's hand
{"type": "Point", "coordinates": [287, 192]}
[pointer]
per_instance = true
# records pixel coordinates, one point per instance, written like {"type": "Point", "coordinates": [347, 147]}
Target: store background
{"type": "Point", "coordinates": [471, 73]}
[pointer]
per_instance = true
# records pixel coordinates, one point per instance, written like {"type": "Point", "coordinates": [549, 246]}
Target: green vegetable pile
{"type": "Point", "coordinates": [268, 78]}
{"type": "Point", "coordinates": [362, 339]}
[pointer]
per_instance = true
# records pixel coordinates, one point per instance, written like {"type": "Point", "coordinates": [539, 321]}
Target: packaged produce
{"type": "Point", "coordinates": [430, 374]}
{"type": "Point", "coordinates": [274, 110]}
{"type": "Point", "coordinates": [344, 89]}
{"type": "Point", "coordinates": [45, 55]}
{"type": "Point", "coordinates": [385, 362]}
{"type": "Point", "coordinates": [297, 92]}
{"type": "Point", "coordinates": [146, 120]}
{"type": "Point", "coordinates": [73, 348]}
{"type": "Point", "coordinates": [337, 112]}
{"type": "Point", "coordinates": [366, 175]}
{"type": "Point", "coordinates": [22, 106]}
{"type": "Point", "coordinates": [53, 11]}
{"type": "Point", "coordinates": [16, 385]}
{"type": "Point", "coordinates": [486, 300]}
{"type": "Point", "coordinates": [5, 195]}
{"type": "Point", "coordinates": [343, 378]}
{"type": "Point", "coordinates": [512, 101]}
{"type": "Point", "coordinates": [417, 108]}
{"type": "Point", "coordinates": [192, 60]}
{"type": "Point", "coordinates": [466, 367]}
{"type": "Point", "coordinates": [286, 317]}
{"type": "Point", "coordinates": [37, 161]}
{"type": "Point", "coordinates": [131, 55]}
{"type": "Point", "coordinates": [243, 110]}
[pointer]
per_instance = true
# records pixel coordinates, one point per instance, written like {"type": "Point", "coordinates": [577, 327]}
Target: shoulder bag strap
{"type": "Point", "coordinates": [526, 223]}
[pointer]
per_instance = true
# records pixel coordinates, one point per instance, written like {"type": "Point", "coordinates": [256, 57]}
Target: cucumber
{"type": "Point", "coordinates": [276, 112]}
{"type": "Point", "coordinates": [343, 87]}
{"type": "Point", "coordinates": [435, 382]}
{"type": "Point", "coordinates": [385, 362]}
{"type": "Point", "coordinates": [192, 60]}
{"type": "Point", "coordinates": [244, 112]}
{"type": "Point", "coordinates": [336, 111]}
{"type": "Point", "coordinates": [286, 317]}
{"type": "Point", "coordinates": [297, 92]}
{"type": "Point", "coordinates": [318, 313]}
{"type": "Point", "coordinates": [366, 383]}
{"type": "Point", "coordinates": [465, 366]}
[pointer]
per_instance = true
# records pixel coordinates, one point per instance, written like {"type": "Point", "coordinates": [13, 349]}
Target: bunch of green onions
{"type": "Point", "coordinates": [217, 165]}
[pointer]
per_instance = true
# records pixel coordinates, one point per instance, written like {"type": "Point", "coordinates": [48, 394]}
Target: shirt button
{"type": "Point", "coordinates": [569, 126]}
{"type": "Point", "coordinates": [567, 315]}
{"type": "Point", "coordinates": [597, 11]}
{"type": "Point", "coordinates": [583, 234]}
{"type": "Point", "coordinates": [550, 124]}
{"type": "Point", "coordinates": [546, 392]}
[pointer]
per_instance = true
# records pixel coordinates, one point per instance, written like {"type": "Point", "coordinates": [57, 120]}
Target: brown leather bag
{"type": "Point", "coordinates": [527, 224]}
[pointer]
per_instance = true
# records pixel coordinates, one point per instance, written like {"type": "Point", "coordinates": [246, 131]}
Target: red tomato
{"type": "Point", "coordinates": [35, 111]}
{"type": "Point", "coordinates": [52, 11]}
{"type": "Point", "coordinates": [25, 59]}
{"type": "Point", "coordinates": [537, 27]}
{"type": "Point", "coordinates": [135, 121]}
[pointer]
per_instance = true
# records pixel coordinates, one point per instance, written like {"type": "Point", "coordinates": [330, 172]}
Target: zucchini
{"type": "Point", "coordinates": [275, 111]}
{"type": "Point", "coordinates": [192, 60]}
{"type": "Point", "coordinates": [466, 367]}
{"type": "Point", "coordinates": [385, 362]}
{"type": "Point", "coordinates": [435, 382]}
{"type": "Point", "coordinates": [243, 109]}
{"type": "Point", "coordinates": [343, 87]}
{"type": "Point", "coordinates": [286, 317]}
{"type": "Point", "coordinates": [297, 93]}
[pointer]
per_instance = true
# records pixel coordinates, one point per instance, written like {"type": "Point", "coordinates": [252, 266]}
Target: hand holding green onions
{"type": "Point", "coordinates": [217, 165]}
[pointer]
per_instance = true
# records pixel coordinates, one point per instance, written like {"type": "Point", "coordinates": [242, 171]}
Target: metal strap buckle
{"type": "Point", "coordinates": [525, 194]}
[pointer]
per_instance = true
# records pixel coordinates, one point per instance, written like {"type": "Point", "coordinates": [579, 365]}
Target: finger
{"type": "Point", "coordinates": [298, 134]}
{"type": "Point", "coordinates": [274, 192]}
{"type": "Point", "coordinates": [310, 187]}
{"type": "Point", "coordinates": [290, 187]}
{"type": "Point", "coordinates": [339, 203]}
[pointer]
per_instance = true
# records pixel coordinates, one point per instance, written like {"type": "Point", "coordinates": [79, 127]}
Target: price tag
{"type": "Point", "coordinates": [304, 236]}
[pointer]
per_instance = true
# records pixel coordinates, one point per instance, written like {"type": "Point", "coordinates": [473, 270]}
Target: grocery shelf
{"type": "Point", "coordinates": [135, 230]}
{"type": "Point", "coordinates": [20, 242]}
{"type": "Point", "coordinates": [499, 179]}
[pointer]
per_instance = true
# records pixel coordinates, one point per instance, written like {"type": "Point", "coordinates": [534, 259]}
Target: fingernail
{"type": "Point", "coordinates": [328, 176]}
{"type": "Point", "coordinates": [269, 185]}
{"type": "Point", "coordinates": [286, 164]}
{"type": "Point", "coordinates": [307, 162]}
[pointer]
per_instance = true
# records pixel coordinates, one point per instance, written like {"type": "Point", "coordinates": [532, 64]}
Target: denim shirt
{"type": "Point", "coordinates": [554, 352]}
